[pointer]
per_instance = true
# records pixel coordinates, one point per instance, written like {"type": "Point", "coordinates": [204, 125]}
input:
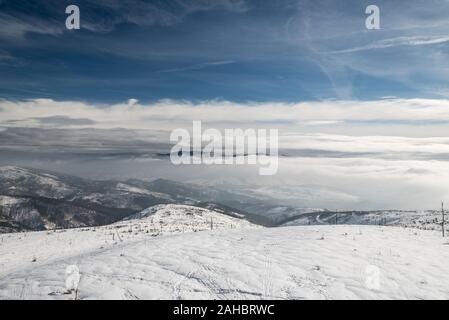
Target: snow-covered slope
{"type": "Point", "coordinates": [8, 225]}
{"type": "Point", "coordinates": [29, 249]}
{"type": "Point", "coordinates": [16, 180]}
{"type": "Point", "coordinates": [426, 220]}
{"type": "Point", "coordinates": [320, 262]}
{"type": "Point", "coordinates": [174, 218]}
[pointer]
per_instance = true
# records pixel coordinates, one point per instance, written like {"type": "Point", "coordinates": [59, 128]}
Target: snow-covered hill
{"type": "Point", "coordinates": [28, 249]}
{"type": "Point", "coordinates": [16, 180]}
{"type": "Point", "coordinates": [302, 262]}
{"type": "Point", "coordinates": [426, 220]}
{"type": "Point", "coordinates": [173, 218]}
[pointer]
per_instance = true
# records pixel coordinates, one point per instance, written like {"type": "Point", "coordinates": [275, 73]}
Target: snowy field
{"type": "Point", "coordinates": [299, 262]}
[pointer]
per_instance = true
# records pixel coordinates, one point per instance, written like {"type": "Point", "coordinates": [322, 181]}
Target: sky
{"type": "Point", "coordinates": [237, 50]}
{"type": "Point", "coordinates": [362, 114]}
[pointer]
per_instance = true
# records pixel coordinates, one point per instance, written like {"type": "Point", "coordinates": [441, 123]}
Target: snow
{"type": "Point", "coordinates": [299, 262]}
{"type": "Point", "coordinates": [17, 250]}
{"type": "Point", "coordinates": [174, 218]}
{"type": "Point", "coordinates": [11, 173]}
{"type": "Point", "coordinates": [6, 201]}
{"type": "Point", "coordinates": [426, 220]}
{"type": "Point", "coordinates": [132, 189]}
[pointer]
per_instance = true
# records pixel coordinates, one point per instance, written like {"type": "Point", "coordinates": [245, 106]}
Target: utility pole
{"type": "Point", "coordinates": [442, 213]}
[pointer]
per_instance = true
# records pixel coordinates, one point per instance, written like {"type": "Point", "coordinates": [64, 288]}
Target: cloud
{"type": "Point", "coordinates": [316, 168]}
{"type": "Point", "coordinates": [63, 121]}
{"type": "Point", "coordinates": [400, 41]}
{"type": "Point", "coordinates": [166, 114]}
{"type": "Point", "coordinates": [383, 129]}
{"type": "Point", "coordinates": [373, 183]}
{"type": "Point", "coordinates": [102, 16]}
{"type": "Point", "coordinates": [199, 66]}
{"type": "Point", "coordinates": [387, 147]}
{"type": "Point", "coordinates": [132, 102]}
{"type": "Point", "coordinates": [15, 27]}
{"type": "Point", "coordinates": [350, 181]}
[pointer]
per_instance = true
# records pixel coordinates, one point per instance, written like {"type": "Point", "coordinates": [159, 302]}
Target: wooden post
{"type": "Point", "coordinates": [442, 213]}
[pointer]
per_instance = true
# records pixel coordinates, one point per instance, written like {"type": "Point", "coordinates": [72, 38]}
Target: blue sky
{"type": "Point", "coordinates": [233, 50]}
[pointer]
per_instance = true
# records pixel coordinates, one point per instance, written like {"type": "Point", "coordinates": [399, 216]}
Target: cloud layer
{"type": "Point", "coordinates": [391, 153]}
{"type": "Point", "coordinates": [168, 113]}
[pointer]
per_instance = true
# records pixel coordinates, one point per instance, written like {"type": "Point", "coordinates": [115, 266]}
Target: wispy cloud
{"type": "Point", "coordinates": [103, 16]}
{"type": "Point", "coordinates": [5, 56]}
{"type": "Point", "coordinates": [15, 27]}
{"type": "Point", "coordinates": [198, 66]}
{"type": "Point", "coordinates": [399, 41]}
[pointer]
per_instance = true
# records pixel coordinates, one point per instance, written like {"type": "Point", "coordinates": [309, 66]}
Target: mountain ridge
{"type": "Point", "coordinates": [42, 199]}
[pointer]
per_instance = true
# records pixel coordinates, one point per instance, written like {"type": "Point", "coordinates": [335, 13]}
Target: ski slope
{"type": "Point", "coordinates": [300, 262]}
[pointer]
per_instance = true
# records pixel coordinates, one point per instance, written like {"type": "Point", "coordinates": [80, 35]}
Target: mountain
{"type": "Point", "coordinates": [265, 211]}
{"type": "Point", "coordinates": [15, 181]}
{"type": "Point", "coordinates": [8, 225]}
{"type": "Point", "coordinates": [41, 200]}
{"type": "Point", "coordinates": [188, 192]}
